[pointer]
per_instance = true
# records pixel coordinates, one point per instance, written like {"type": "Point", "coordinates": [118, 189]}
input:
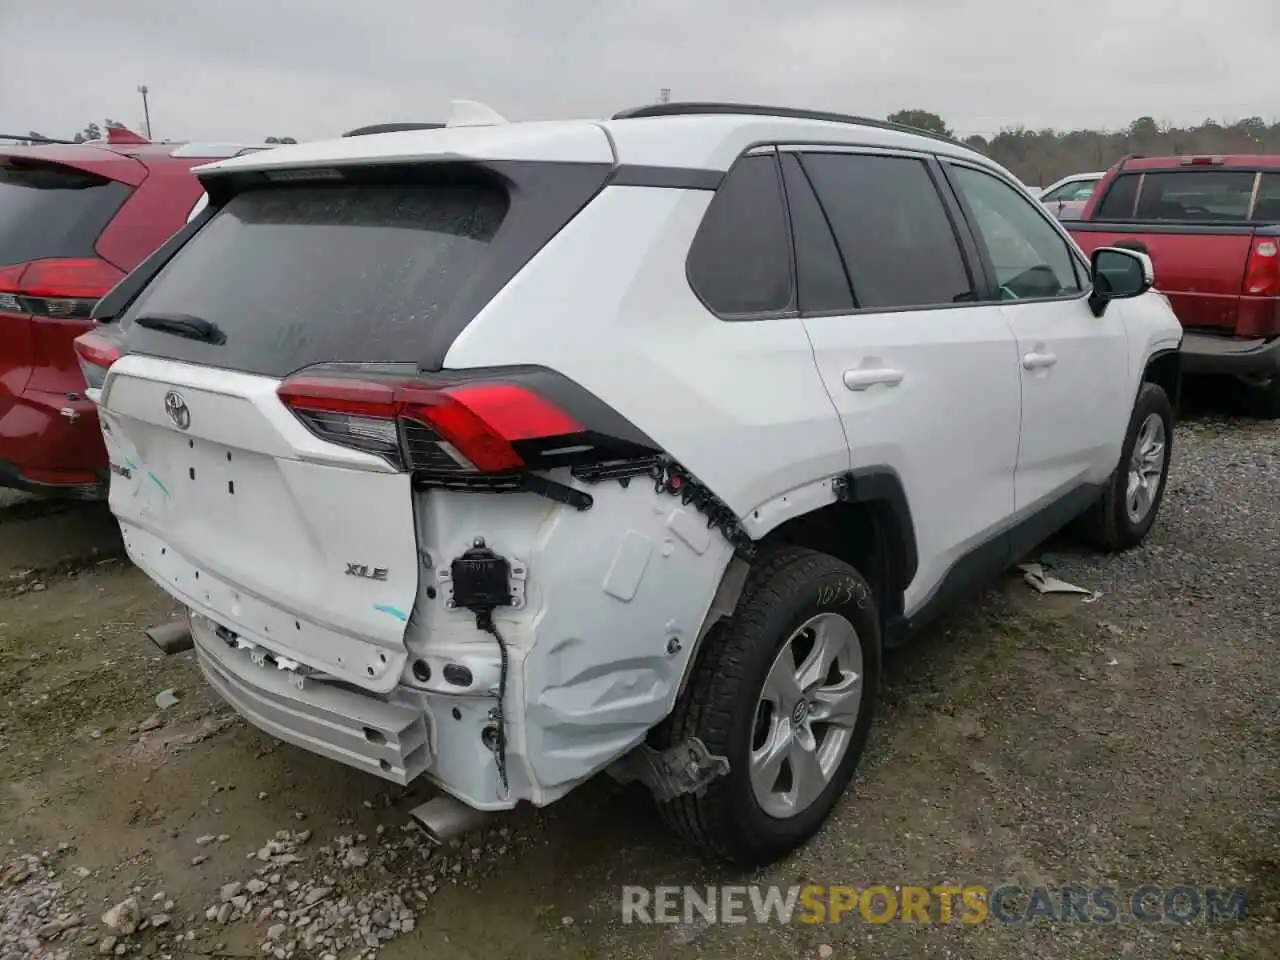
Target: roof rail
{"type": "Point", "coordinates": [1129, 156]}
{"type": "Point", "coordinates": [758, 110]}
{"type": "Point", "coordinates": [36, 139]}
{"type": "Point", "coordinates": [216, 150]}
{"type": "Point", "coordinates": [391, 128]}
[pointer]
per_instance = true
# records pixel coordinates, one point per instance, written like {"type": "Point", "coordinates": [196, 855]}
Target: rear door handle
{"type": "Point", "coordinates": [1038, 361]}
{"type": "Point", "coordinates": [863, 378]}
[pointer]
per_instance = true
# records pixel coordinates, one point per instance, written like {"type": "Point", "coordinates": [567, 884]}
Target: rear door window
{"type": "Point", "coordinates": [309, 273]}
{"type": "Point", "coordinates": [51, 210]}
{"type": "Point", "coordinates": [821, 281]}
{"type": "Point", "coordinates": [892, 229]}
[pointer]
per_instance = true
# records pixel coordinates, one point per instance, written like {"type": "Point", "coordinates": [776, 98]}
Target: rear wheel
{"type": "Point", "coordinates": [1128, 507]}
{"type": "Point", "coordinates": [786, 691]}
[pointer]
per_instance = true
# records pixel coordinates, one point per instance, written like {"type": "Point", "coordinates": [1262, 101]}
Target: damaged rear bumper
{"type": "Point", "coordinates": [389, 738]}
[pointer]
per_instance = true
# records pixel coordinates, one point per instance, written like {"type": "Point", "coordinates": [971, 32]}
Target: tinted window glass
{"type": "Point", "coordinates": [1117, 203]}
{"type": "Point", "coordinates": [820, 277]}
{"type": "Point", "coordinates": [1268, 206]}
{"type": "Point", "coordinates": [1195, 195]}
{"type": "Point", "coordinates": [740, 262]}
{"type": "Point", "coordinates": [311, 273]}
{"type": "Point", "coordinates": [1029, 256]}
{"type": "Point", "coordinates": [48, 210]}
{"type": "Point", "coordinates": [892, 230]}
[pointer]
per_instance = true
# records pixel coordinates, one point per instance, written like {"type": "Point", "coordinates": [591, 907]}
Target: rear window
{"type": "Point", "coordinates": [311, 273]}
{"type": "Point", "coordinates": [50, 210]}
{"type": "Point", "coordinates": [1268, 206]}
{"type": "Point", "coordinates": [1180, 195]}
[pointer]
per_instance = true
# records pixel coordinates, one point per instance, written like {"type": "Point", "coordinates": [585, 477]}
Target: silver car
{"type": "Point", "coordinates": [1067, 198]}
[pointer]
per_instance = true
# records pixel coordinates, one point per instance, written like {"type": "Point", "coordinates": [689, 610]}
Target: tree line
{"type": "Point", "coordinates": [1039, 157]}
{"type": "Point", "coordinates": [92, 131]}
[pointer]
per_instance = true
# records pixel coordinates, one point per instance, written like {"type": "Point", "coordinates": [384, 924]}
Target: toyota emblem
{"type": "Point", "coordinates": [177, 409]}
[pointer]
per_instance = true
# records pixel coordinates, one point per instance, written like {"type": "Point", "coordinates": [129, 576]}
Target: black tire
{"type": "Point", "coordinates": [786, 587]}
{"type": "Point", "coordinates": [1108, 525]}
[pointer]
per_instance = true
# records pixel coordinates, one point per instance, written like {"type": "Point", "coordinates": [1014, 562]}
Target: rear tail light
{"type": "Point", "coordinates": [1262, 277]}
{"type": "Point", "coordinates": [9, 277]}
{"type": "Point", "coordinates": [63, 289]}
{"type": "Point", "coordinates": [473, 427]}
{"type": "Point", "coordinates": [96, 354]}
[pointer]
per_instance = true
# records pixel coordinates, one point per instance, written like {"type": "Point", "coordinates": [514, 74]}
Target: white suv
{"type": "Point", "coordinates": [505, 455]}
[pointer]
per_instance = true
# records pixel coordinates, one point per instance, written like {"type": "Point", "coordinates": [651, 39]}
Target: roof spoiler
{"type": "Point", "coordinates": [123, 135]}
{"type": "Point", "coordinates": [470, 113]}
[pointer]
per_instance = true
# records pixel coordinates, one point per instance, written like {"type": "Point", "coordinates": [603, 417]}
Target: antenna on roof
{"type": "Point", "coordinates": [470, 113]}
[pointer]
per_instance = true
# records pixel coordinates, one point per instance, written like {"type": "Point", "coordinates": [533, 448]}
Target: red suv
{"type": "Point", "coordinates": [74, 219]}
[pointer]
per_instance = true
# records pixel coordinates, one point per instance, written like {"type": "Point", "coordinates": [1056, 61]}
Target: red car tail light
{"type": "Point", "coordinates": [64, 289]}
{"type": "Point", "coordinates": [1262, 276]}
{"type": "Point", "coordinates": [9, 277]}
{"type": "Point", "coordinates": [96, 354]}
{"type": "Point", "coordinates": [418, 425]}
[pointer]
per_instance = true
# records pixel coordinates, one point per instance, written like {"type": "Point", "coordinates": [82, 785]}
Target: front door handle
{"type": "Point", "coordinates": [863, 378]}
{"type": "Point", "coordinates": [1038, 361]}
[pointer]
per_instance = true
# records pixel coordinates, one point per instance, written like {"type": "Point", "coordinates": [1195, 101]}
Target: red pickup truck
{"type": "Point", "coordinates": [1211, 226]}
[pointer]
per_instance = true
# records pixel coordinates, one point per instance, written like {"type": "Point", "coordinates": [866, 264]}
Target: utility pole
{"type": "Point", "coordinates": [664, 95]}
{"type": "Point", "coordinates": [146, 110]}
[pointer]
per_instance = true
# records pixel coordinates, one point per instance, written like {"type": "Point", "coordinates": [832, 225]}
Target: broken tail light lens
{"type": "Point", "coordinates": [418, 425]}
{"type": "Point", "coordinates": [60, 289]}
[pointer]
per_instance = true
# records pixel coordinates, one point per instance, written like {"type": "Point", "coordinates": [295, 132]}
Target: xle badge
{"type": "Point", "coordinates": [367, 572]}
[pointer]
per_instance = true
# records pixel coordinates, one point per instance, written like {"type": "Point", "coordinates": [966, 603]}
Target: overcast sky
{"type": "Point", "coordinates": [247, 69]}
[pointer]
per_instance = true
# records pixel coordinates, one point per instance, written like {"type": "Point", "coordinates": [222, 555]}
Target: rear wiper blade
{"type": "Point", "coordinates": [183, 325]}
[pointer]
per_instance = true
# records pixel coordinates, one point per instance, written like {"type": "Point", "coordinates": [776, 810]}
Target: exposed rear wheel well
{"type": "Point", "coordinates": [865, 534]}
{"type": "Point", "coordinates": [1165, 371]}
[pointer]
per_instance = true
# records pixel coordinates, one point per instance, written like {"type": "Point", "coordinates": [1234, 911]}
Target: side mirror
{"type": "Point", "coordinates": [1119, 274]}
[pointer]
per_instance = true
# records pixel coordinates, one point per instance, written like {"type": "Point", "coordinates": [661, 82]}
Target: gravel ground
{"type": "Point", "coordinates": [1028, 739]}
